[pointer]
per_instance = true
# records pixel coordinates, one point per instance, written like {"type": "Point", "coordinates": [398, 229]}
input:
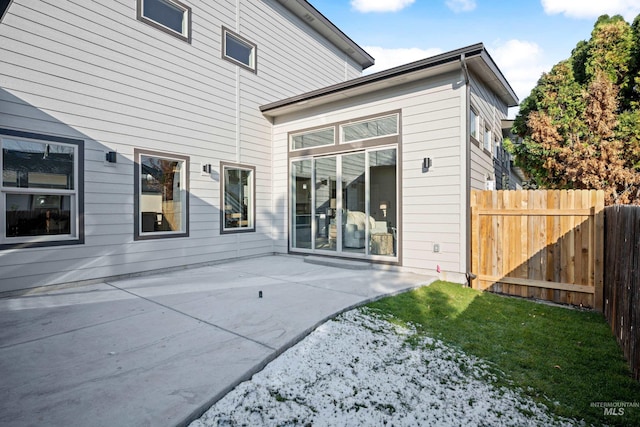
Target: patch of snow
{"type": "Point", "coordinates": [360, 369]}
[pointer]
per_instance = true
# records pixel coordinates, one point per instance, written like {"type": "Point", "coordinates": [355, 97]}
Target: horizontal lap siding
{"type": "Point", "coordinates": [92, 71]}
{"type": "Point", "coordinates": [431, 127]}
{"type": "Point", "coordinates": [491, 111]}
{"type": "Point", "coordinates": [431, 200]}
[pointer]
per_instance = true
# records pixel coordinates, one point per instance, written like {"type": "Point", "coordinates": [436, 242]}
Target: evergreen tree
{"type": "Point", "coordinates": [581, 123]}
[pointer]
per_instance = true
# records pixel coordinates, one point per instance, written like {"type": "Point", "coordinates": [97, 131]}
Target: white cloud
{"type": "Point", "coordinates": [380, 5]}
{"type": "Point", "coordinates": [522, 64]}
{"type": "Point", "coordinates": [389, 58]}
{"type": "Point", "coordinates": [461, 5]}
{"type": "Point", "coordinates": [589, 9]}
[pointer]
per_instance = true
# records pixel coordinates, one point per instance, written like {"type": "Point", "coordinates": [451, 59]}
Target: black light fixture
{"type": "Point", "coordinates": [426, 164]}
{"type": "Point", "coordinates": [206, 168]}
{"type": "Point", "coordinates": [110, 156]}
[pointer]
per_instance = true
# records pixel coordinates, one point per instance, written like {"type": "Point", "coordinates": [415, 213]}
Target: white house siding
{"type": "Point", "coordinates": [491, 111]}
{"type": "Point", "coordinates": [91, 71]}
{"type": "Point", "coordinates": [432, 208]}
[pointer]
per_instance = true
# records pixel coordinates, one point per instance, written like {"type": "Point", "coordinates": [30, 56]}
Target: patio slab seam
{"type": "Point", "coordinates": [192, 317]}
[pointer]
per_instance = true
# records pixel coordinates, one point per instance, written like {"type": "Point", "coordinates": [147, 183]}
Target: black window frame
{"type": "Point", "coordinates": [65, 239]}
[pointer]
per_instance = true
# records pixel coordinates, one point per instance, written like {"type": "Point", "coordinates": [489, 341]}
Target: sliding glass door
{"type": "Point", "coordinates": [301, 195]}
{"type": "Point", "coordinates": [345, 204]}
{"type": "Point", "coordinates": [325, 233]}
{"type": "Point", "coordinates": [354, 201]}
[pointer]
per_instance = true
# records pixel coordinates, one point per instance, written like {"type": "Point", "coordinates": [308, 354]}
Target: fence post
{"type": "Point", "coordinates": [475, 244]}
{"type": "Point", "coordinates": [598, 297]}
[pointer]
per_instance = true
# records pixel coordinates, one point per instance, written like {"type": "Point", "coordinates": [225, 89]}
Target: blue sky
{"type": "Point", "coordinates": [524, 37]}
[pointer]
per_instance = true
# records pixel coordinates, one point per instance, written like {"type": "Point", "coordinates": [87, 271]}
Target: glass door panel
{"type": "Point", "coordinates": [325, 203]}
{"type": "Point", "coordinates": [301, 224]}
{"type": "Point", "coordinates": [355, 222]}
{"type": "Point", "coordinates": [383, 202]}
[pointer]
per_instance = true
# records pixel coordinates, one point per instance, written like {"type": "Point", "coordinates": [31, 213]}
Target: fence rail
{"type": "Point", "coordinates": [539, 244]}
{"type": "Point", "coordinates": [622, 280]}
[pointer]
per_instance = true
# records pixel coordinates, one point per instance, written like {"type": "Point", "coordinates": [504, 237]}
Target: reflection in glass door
{"type": "Point", "coordinates": [383, 205]}
{"type": "Point", "coordinates": [346, 204]}
{"type": "Point", "coordinates": [301, 204]}
{"type": "Point", "coordinates": [354, 213]}
{"type": "Point", "coordinates": [325, 203]}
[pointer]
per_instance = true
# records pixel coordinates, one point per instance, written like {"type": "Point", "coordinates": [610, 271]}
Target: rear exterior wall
{"type": "Point", "coordinates": [433, 203]}
{"type": "Point", "coordinates": [91, 71]}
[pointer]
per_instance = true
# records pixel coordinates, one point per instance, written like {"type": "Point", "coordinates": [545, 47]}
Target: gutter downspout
{"type": "Point", "coordinates": [465, 70]}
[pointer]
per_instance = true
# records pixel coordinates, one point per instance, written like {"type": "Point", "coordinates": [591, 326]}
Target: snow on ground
{"type": "Point", "coordinates": [360, 370]}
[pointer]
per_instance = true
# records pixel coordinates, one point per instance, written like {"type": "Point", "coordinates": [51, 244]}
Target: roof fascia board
{"type": "Point", "coordinates": [441, 59]}
{"type": "Point", "coordinates": [303, 10]}
{"type": "Point", "coordinates": [500, 77]}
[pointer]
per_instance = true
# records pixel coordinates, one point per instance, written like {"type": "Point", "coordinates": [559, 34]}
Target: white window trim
{"type": "Point", "coordinates": [186, 23]}
{"type": "Point", "coordinates": [474, 126]}
{"type": "Point", "coordinates": [224, 166]}
{"type": "Point", "coordinates": [370, 119]}
{"type": "Point", "coordinates": [76, 232]}
{"type": "Point", "coordinates": [253, 62]}
{"type": "Point", "coordinates": [487, 141]}
{"type": "Point", "coordinates": [184, 212]}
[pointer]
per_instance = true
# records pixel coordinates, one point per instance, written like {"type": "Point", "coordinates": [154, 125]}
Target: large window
{"type": "Point", "coordinates": [238, 50]}
{"type": "Point", "coordinates": [238, 198]}
{"type": "Point", "coordinates": [346, 204]}
{"type": "Point", "coordinates": [162, 199]}
{"type": "Point", "coordinates": [170, 16]}
{"type": "Point", "coordinates": [344, 188]}
{"type": "Point", "coordinates": [41, 189]}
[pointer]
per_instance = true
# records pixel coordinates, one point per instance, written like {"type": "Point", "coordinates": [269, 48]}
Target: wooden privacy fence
{"type": "Point", "coordinates": [539, 244]}
{"type": "Point", "coordinates": [622, 280]}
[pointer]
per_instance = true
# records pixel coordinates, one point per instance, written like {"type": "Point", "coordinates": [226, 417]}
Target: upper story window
{"type": "Point", "coordinates": [238, 50]}
{"type": "Point", "coordinates": [474, 124]}
{"type": "Point", "coordinates": [487, 139]}
{"type": "Point", "coordinates": [170, 16]}
{"type": "Point", "coordinates": [161, 199]}
{"type": "Point", "coordinates": [41, 196]}
{"type": "Point", "coordinates": [372, 128]}
{"type": "Point", "coordinates": [314, 138]}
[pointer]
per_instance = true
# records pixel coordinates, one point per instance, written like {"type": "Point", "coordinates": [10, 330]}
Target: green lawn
{"type": "Point", "coordinates": [563, 358]}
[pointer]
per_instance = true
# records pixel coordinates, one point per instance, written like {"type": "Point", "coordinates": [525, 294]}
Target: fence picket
{"type": "Point", "coordinates": [524, 239]}
{"type": "Point", "coordinates": [621, 278]}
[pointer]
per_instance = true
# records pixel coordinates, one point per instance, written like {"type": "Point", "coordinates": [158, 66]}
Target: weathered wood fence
{"type": "Point", "coordinates": [539, 244]}
{"type": "Point", "coordinates": [622, 280]}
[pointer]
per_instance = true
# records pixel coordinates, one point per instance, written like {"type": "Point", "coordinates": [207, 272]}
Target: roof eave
{"type": "Point", "coordinates": [316, 20]}
{"type": "Point", "coordinates": [388, 76]}
{"type": "Point", "coordinates": [475, 55]}
{"type": "Point", "coordinates": [505, 90]}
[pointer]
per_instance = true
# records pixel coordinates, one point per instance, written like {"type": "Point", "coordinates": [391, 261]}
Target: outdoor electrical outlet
{"type": "Point", "coordinates": [436, 247]}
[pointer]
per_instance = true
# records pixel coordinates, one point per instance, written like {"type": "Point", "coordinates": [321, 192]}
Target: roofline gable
{"type": "Point", "coordinates": [316, 20]}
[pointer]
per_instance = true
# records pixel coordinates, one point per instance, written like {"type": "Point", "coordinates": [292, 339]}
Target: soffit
{"type": "Point", "coordinates": [316, 20]}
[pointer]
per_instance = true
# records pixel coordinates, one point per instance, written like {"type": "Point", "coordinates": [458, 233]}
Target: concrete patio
{"type": "Point", "coordinates": [158, 350]}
